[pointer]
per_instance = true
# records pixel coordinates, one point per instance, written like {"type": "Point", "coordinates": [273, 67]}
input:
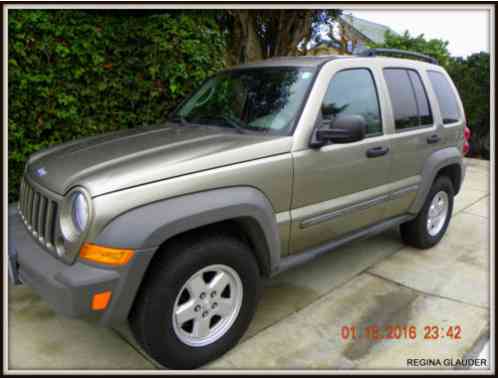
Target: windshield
{"type": "Point", "coordinates": [265, 100]}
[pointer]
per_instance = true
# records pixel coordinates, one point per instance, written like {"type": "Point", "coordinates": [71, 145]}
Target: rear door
{"type": "Point", "coordinates": [416, 133]}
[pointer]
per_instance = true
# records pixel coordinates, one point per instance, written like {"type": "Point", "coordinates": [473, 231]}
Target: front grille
{"type": "Point", "coordinates": [39, 213]}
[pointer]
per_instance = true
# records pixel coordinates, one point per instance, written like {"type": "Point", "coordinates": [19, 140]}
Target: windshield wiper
{"type": "Point", "coordinates": [237, 124]}
{"type": "Point", "coordinates": [218, 119]}
{"type": "Point", "coordinates": [178, 118]}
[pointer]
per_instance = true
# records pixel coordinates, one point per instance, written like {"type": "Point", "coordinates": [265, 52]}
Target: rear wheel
{"type": "Point", "coordinates": [197, 301]}
{"type": "Point", "coordinates": [427, 229]}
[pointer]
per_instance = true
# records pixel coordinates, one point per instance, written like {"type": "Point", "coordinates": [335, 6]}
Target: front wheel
{"type": "Point", "coordinates": [427, 229]}
{"type": "Point", "coordinates": [197, 301]}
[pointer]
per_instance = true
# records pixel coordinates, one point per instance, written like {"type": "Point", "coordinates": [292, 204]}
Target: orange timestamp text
{"type": "Point", "coordinates": [397, 332]}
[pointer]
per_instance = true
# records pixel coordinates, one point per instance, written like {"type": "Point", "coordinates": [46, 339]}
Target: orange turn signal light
{"type": "Point", "coordinates": [105, 255]}
{"type": "Point", "coordinates": [100, 300]}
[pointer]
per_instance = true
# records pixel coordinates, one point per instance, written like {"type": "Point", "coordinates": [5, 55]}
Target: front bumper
{"type": "Point", "coordinates": [69, 289]}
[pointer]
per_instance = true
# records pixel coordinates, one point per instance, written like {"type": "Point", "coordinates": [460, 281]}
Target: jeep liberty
{"type": "Point", "coordinates": [266, 166]}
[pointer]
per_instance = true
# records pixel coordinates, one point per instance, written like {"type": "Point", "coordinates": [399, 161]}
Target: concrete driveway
{"type": "Point", "coordinates": [372, 283]}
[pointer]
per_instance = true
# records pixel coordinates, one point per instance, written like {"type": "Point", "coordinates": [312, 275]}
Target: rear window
{"type": "Point", "coordinates": [408, 98]}
{"type": "Point", "coordinates": [446, 98]}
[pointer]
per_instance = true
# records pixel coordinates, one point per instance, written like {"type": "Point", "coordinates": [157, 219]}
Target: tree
{"type": "Point", "coordinates": [75, 73]}
{"type": "Point", "coordinates": [471, 77]}
{"type": "Point", "coordinates": [435, 48]}
{"type": "Point", "coordinates": [254, 34]}
{"type": "Point", "coordinates": [264, 33]}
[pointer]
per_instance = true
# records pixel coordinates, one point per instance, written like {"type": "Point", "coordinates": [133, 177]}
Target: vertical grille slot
{"type": "Point", "coordinates": [30, 205]}
{"type": "Point", "coordinates": [22, 197]}
{"type": "Point", "coordinates": [50, 223]}
{"type": "Point", "coordinates": [42, 209]}
{"type": "Point", "coordinates": [34, 211]}
{"type": "Point", "coordinates": [26, 200]}
{"type": "Point", "coordinates": [21, 189]}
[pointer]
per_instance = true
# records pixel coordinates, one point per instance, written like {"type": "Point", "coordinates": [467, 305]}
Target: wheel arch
{"type": "Point", "coordinates": [241, 211]}
{"type": "Point", "coordinates": [447, 161]}
{"type": "Point", "coordinates": [454, 173]}
{"type": "Point", "coordinates": [245, 208]}
{"type": "Point", "coordinates": [245, 229]}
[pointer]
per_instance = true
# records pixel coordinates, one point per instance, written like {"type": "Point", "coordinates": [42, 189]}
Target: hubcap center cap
{"type": "Point", "coordinates": [206, 305]}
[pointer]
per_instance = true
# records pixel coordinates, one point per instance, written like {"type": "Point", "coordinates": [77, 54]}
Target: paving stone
{"type": "Point", "coordinates": [480, 208]}
{"type": "Point", "coordinates": [40, 339]}
{"type": "Point", "coordinates": [457, 268]}
{"type": "Point", "coordinates": [311, 338]}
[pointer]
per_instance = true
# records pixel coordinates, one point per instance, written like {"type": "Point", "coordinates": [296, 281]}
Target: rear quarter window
{"type": "Point", "coordinates": [446, 97]}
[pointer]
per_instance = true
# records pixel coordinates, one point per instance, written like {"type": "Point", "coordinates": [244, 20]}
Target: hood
{"type": "Point", "coordinates": [116, 161]}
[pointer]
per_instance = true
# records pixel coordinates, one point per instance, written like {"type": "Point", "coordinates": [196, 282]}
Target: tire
{"type": "Point", "coordinates": [175, 344]}
{"type": "Point", "coordinates": [416, 232]}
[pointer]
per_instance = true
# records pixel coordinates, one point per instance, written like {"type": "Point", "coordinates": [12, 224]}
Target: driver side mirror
{"type": "Point", "coordinates": [344, 129]}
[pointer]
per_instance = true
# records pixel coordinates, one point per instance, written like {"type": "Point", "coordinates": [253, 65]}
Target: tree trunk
{"type": "Point", "coordinates": [258, 34]}
{"type": "Point", "coordinates": [254, 49]}
{"type": "Point", "coordinates": [244, 45]}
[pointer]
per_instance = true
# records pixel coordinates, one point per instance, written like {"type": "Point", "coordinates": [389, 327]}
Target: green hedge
{"type": "Point", "coordinates": [471, 77]}
{"type": "Point", "coordinates": [74, 73]}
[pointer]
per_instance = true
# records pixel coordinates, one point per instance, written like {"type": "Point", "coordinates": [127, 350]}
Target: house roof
{"type": "Point", "coordinates": [327, 43]}
{"type": "Point", "coordinates": [371, 30]}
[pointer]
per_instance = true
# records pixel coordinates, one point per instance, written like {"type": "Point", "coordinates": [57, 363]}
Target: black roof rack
{"type": "Point", "coordinates": [374, 51]}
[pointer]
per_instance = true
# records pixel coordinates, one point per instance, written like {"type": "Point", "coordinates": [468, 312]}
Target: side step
{"type": "Point", "coordinates": [301, 258]}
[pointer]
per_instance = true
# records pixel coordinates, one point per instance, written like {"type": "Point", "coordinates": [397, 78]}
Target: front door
{"type": "Point", "coordinates": [342, 187]}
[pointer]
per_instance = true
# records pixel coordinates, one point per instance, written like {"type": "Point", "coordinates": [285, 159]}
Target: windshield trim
{"type": "Point", "coordinates": [293, 124]}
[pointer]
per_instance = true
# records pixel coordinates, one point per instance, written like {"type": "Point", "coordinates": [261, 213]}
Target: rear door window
{"type": "Point", "coordinates": [446, 98]}
{"type": "Point", "coordinates": [409, 100]}
{"type": "Point", "coordinates": [402, 98]}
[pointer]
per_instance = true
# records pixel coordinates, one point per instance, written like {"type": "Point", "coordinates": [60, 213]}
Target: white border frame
{"type": "Point", "coordinates": [394, 6]}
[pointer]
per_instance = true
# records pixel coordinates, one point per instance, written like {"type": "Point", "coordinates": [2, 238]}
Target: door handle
{"type": "Point", "coordinates": [433, 139]}
{"type": "Point", "coordinates": [377, 151]}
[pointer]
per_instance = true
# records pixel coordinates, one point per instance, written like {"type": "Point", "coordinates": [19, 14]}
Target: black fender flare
{"type": "Point", "coordinates": [437, 161]}
{"type": "Point", "coordinates": [148, 226]}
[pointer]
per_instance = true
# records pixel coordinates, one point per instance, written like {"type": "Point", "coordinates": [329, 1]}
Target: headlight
{"type": "Point", "coordinates": [75, 217]}
{"type": "Point", "coordinates": [79, 211]}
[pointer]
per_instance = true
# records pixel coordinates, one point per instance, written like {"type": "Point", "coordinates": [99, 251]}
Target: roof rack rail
{"type": "Point", "coordinates": [374, 51]}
